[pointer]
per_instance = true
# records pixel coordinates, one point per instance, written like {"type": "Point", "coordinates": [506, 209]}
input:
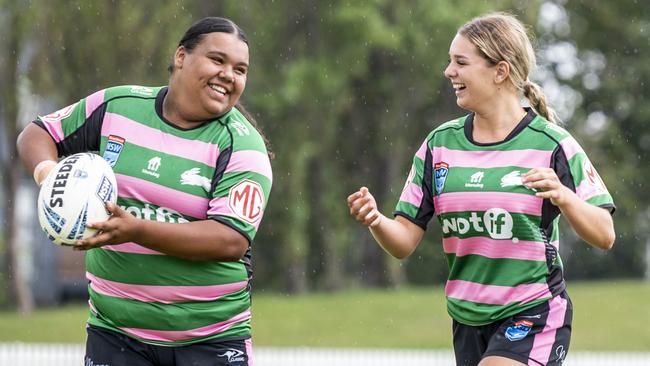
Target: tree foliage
{"type": "Point", "coordinates": [346, 91]}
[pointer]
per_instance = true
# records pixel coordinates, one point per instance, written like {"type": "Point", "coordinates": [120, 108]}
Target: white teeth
{"type": "Point", "coordinates": [219, 89]}
{"type": "Point", "coordinates": [458, 86]}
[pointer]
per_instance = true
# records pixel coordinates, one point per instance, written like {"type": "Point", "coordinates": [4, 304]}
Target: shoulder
{"type": "Point", "coordinates": [551, 130]}
{"type": "Point", "coordinates": [244, 134]}
{"type": "Point", "coordinates": [129, 91]}
{"type": "Point", "coordinates": [449, 127]}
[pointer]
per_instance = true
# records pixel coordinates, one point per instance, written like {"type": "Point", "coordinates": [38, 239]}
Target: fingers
{"type": "Point", "coordinates": [363, 207]}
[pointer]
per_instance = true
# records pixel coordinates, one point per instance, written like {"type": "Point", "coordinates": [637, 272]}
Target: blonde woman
{"type": "Point", "coordinates": [498, 180]}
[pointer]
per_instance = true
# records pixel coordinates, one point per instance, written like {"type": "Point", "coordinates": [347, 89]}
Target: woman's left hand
{"type": "Point", "coordinates": [119, 228]}
{"type": "Point", "coordinates": [548, 185]}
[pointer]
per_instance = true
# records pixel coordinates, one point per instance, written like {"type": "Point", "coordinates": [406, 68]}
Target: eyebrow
{"type": "Point", "coordinates": [224, 55]}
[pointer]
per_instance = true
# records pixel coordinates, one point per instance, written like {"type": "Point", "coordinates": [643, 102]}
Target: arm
{"type": "Point", "coordinates": [593, 224]}
{"type": "Point", "coordinates": [35, 146]}
{"type": "Point", "coordinates": [399, 237]}
{"type": "Point", "coordinates": [198, 240]}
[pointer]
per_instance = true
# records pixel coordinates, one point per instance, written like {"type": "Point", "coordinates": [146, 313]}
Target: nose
{"type": "Point", "coordinates": [450, 71]}
{"type": "Point", "coordinates": [226, 73]}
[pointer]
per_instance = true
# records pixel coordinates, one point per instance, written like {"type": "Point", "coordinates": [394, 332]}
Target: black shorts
{"type": "Point", "coordinates": [107, 348]}
{"type": "Point", "coordinates": [537, 336]}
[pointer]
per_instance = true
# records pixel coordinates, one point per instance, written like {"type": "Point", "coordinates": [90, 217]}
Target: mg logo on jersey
{"type": "Point", "coordinates": [592, 176]}
{"type": "Point", "coordinates": [246, 200]}
{"type": "Point", "coordinates": [497, 222]}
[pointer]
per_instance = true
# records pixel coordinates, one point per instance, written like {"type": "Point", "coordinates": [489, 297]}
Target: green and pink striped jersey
{"type": "Point", "coordinates": [501, 241]}
{"type": "Point", "coordinates": [218, 170]}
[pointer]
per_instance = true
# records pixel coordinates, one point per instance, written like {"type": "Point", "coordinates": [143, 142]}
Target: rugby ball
{"type": "Point", "coordinates": [75, 193]}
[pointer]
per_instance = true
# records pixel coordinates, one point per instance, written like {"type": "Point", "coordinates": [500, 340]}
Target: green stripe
{"type": "Point", "coordinates": [407, 208]}
{"type": "Point", "coordinates": [151, 269]}
{"type": "Point", "coordinates": [77, 118]}
{"type": "Point", "coordinates": [495, 271]}
{"type": "Point", "coordinates": [177, 316]}
{"type": "Point", "coordinates": [524, 227]}
{"type": "Point", "coordinates": [460, 179]}
{"type": "Point", "coordinates": [230, 179]}
{"type": "Point", "coordinates": [134, 161]}
{"type": "Point", "coordinates": [148, 211]}
{"type": "Point", "coordinates": [471, 313]}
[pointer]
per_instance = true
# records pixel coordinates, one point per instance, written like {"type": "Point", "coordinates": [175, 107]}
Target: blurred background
{"type": "Point", "coordinates": [346, 91]}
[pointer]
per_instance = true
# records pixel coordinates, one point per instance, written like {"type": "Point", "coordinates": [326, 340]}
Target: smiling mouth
{"type": "Point", "coordinates": [218, 88]}
{"type": "Point", "coordinates": [458, 87]}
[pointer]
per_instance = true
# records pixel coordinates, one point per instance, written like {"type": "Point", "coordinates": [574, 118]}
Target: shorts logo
{"type": "Point", "coordinates": [246, 200]}
{"type": "Point", "coordinates": [441, 170]}
{"type": "Point", "coordinates": [518, 331]}
{"type": "Point", "coordinates": [114, 147]}
{"type": "Point", "coordinates": [233, 355]}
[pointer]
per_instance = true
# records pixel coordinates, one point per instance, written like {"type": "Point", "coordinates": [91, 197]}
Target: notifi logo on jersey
{"type": "Point", "coordinates": [114, 147]}
{"type": "Point", "coordinates": [246, 200]}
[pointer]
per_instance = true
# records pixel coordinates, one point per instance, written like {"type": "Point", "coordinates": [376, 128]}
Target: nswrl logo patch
{"type": "Point", "coordinates": [441, 170]}
{"type": "Point", "coordinates": [114, 147]}
{"type": "Point", "coordinates": [518, 331]}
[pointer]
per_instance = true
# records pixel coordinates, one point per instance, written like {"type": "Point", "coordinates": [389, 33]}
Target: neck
{"type": "Point", "coordinates": [495, 122]}
{"type": "Point", "coordinates": [173, 112]}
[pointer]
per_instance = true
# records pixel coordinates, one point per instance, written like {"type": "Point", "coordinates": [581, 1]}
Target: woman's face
{"type": "Point", "coordinates": [471, 75]}
{"type": "Point", "coordinates": [212, 75]}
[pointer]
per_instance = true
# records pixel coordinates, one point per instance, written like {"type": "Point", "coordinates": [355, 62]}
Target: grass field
{"type": "Point", "coordinates": [609, 316]}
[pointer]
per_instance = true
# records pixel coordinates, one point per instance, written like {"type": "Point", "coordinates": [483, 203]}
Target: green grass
{"type": "Point", "coordinates": [609, 316]}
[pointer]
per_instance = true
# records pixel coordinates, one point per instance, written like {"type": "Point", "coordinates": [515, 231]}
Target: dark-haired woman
{"type": "Point", "coordinates": [169, 272]}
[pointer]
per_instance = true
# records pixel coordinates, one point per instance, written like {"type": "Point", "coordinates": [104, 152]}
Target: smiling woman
{"type": "Point", "coordinates": [171, 266]}
{"type": "Point", "coordinates": [498, 179]}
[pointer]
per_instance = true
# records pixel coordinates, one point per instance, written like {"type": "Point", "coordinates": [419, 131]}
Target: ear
{"type": "Point", "coordinates": [179, 57]}
{"type": "Point", "coordinates": [502, 72]}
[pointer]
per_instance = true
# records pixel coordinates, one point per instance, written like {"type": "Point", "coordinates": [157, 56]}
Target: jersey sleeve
{"type": "Point", "coordinates": [77, 127]}
{"type": "Point", "coordinates": [416, 201]}
{"type": "Point", "coordinates": [241, 193]}
{"type": "Point", "coordinates": [575, 170]}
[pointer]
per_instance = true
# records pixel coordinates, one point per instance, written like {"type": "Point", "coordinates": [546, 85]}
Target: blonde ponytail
{"type": "Point", "coordinates": [537, 99]}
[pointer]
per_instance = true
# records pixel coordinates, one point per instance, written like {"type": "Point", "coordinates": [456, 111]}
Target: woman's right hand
{"type": "Point", "coordinates": [363, 208]}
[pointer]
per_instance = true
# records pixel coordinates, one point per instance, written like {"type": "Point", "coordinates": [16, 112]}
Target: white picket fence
{"type": "Point", "coordinates": [39, 354]}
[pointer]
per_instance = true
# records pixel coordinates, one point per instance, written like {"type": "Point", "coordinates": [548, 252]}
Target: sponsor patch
{"type": "Point", "coordinates": [592, 176]}
{"type": "Point", "coordinates": [441, 170]}
{"type": "Point", "coordinates": [518, 331]}
{"type": "Point", "coordinates": [114, 147]}
{"type": "Point", "coordinates": [246, 200]}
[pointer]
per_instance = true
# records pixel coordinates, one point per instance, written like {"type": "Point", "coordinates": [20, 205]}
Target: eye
{"type": "Point", "coordinates": [241, 71]}
{"type": "Point", "coordinates": [217, 60]}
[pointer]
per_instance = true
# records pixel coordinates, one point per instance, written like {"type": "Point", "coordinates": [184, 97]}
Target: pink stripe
{"type": "Point", "coordinates": [586, 190]}
{"type": "Point", "coordinates": [486, 247]}
{"type": "Point", "coordinates": [496, 295]}
{"type": "Point", "coordinates": [142, 190]}
{"type": "Point", "coordinates": [55, 130]}
{"type": "Point", "coordinates": [556, 244]}
{"type": "Point", "coordinates": [181, 335]}
{"type": "Point", "coordinates": [250, 160]}
{"type": "Point", "coordinates": [543, 343]}
{"type": "Point", "coordinates": [249, 350]}
{"type": "Point", "coordinates": [154, 139]}
{"type": "Point", "coordinates": [93, 101]}
{"type": "Point", "coordinates": [483, 201]}
{"type": "Point", "coordinates": [571, 147]}
{"type": "Point", "coordinates": [412, 194]}
{"type": "Point", "coordinates": [219, 207]}
{"type": "Point", "coordinates": [422, 151]}
{"type": "Point", "coordinates": [525, 158]}
{"type": "Point", "coordinates": [162, 294]}
{"type": "Point", "coordinates": [130, 248]}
